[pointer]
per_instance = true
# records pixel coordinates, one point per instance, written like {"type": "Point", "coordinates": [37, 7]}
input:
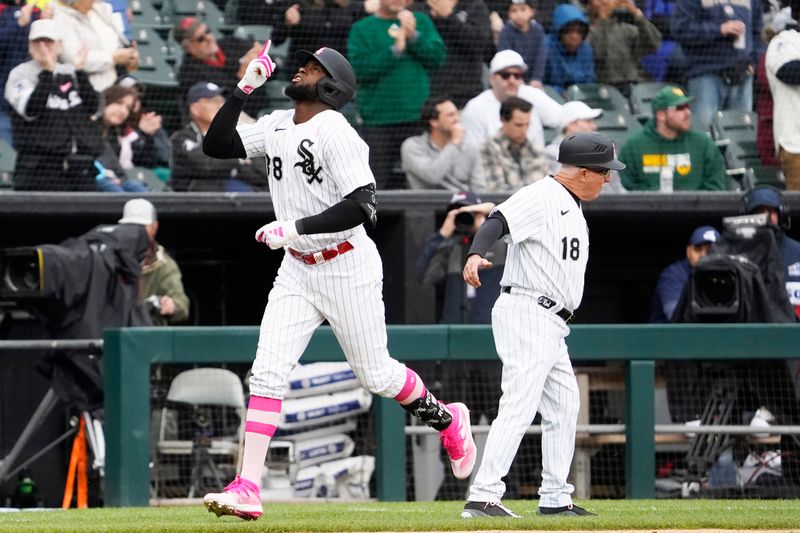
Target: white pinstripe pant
{"type": "Point", "coordinates": [348, 292]}
{"type": "Point", "coordinates": [537, 376]}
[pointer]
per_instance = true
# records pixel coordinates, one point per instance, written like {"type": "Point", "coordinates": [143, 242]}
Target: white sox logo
{"type": "Point", "coordinates": [307, 164]}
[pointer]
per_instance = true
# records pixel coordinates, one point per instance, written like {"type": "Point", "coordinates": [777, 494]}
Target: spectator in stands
{"type": "Point", "coordinates": [721, 41]}
{"type": "Point", "coordinates": [525, 36]}
{"type": "Point", "coordinates": [667, 62]}
{"type": "Point", "coordinates": [509, 160]}
{"type": "Point", "coordinates": [121, 11]}
{"type": "Point", "coordinates": [117, 105]}
{"type": "Point", "coordinates": [207, 60]}
{"type": "Point", "coordinates": [569, 57]}
{"type": "Point", "coordinates": [673, 278]}
{"type": "Point", "coordinates": [312, 24]}
{"type": "Point", "coordinates": [91, 26]}
{"type": "Point", "coordinates": [439, 265]}
{"type": "Point", "coordinates": [618, 45]}
{"type": "Point", "coordinates": [194, 171]}
{"type": "Point", "coordinates": [136, 138]}
{"type": "Point", "coordinates": [481, 116]}
{"type": "Point", "coordinates": [15, 19]}
{"type": "Point", "coordinates": [668, 140]}
{"type": "Point", "coordinates": [393, 53]}
{"type": "Point", "coordinates": [57, 142]}
{"type": "Point", "coordinates": [444, 254]}
{"type": "Point", "coordinates": [438, 158]}
{"type": "Point", "coordinates": [160, 285]}
{"type": "Point", "coordinates": [141, 141]}
{"type": "Point", "coordinates": [575, 117]}
{"type": "Point", "coordinates": [464, 28]}
{"type": "Point", "coordinates": [783, 72]}
{"type": "Point", "coordinates": [262, 12]}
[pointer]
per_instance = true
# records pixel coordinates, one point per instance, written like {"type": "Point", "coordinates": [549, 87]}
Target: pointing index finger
{"type": "Point", "coordinates": [265, 50]}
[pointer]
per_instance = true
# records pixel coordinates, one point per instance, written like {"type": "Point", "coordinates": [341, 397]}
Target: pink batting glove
{"type": "Point", "coordinates": [258, 71]}
{"type": "Point", "coordinates": [277, 234]}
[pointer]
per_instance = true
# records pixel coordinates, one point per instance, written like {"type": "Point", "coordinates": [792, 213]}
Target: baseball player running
{"type": "Point", "coordinates": [323, 193]}
{"type": "Point", "coordinates": [542, 284]}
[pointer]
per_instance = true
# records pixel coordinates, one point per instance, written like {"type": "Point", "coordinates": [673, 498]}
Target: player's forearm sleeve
{"type": "Point", "coordinates": [488, 234]}
{"type": "Point", "coordinates": [222, 141]}
{"type": "Point", "coordinates": [338, 217]}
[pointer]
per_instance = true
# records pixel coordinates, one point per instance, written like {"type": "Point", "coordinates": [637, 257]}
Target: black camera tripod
{"type": "Point", "coordinates": [201, 458]}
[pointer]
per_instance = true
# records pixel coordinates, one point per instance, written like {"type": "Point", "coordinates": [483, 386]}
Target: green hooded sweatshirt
{"type": "Point", "coordinates": [696, 162]}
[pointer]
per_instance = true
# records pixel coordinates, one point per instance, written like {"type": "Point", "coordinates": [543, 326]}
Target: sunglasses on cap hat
{"type": "Point", "coordinates": [202, 37]}
{"type": "Point", "coordinates": [506, 75]}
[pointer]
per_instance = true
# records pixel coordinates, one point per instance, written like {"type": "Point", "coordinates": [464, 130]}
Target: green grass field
{"type": "Point", "coordinates": [421, 516]}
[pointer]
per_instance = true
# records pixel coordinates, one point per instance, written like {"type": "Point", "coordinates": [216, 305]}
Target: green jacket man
{"type": "Point", "coordinates": [667, 140]}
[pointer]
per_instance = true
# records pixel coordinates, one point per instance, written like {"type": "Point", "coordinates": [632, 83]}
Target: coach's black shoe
{"type": "Point", "coordinates": [567, 510]}
{"type": "Point", "coordinates": [481, 509]}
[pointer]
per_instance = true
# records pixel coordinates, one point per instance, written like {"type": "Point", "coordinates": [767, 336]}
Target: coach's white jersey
{"type": "Point", "coordinates": [311, 166]}
{"type": "Point", "coordinates": [549, 242]}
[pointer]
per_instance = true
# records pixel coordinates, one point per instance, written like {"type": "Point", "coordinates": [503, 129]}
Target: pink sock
{"type": "Point", "coordinates": [413, 389]}
{"type": "Point", "coordinates": [263, 415]}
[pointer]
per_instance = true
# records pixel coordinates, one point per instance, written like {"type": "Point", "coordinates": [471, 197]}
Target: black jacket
{"type": "Point", "coordinates": [193, 170]}
{"type": "Point", "coordinates": [91, 282]}
{"type": "Point", "coordinates": [53, 118]}
{"type": "Point", "coordinates": [468, 38]}
{"type": "Point", "coordinates": [327, 25]}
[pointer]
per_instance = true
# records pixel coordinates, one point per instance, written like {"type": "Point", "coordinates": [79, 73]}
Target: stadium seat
{"type": "Point", "coordinates": [554, 94]}
{"type": "Point", "coordinates": [205, 10]}
{"type": "Point", "coordinates": [617, 125]}
{"type": "Point", "coordinates": [148, 37]}
{"type": "Point", "coordinates": [8, 161]}
{"type": "Point", "coordinates": [144, 13]}
{"type": "Point", "coordinates": [599, 95]}
{"type": "Point", "coordinates": [148, 177]}
{"type": "Point", "coordinates": [202, 425]}
{"type": "Point", "coordinates": [735, 133]}
{"type": "Point", "coordinates": [154, 69]}
{"type": "Point", "coordinates": [253, 32]}
{"type": "Point", "coordinates": [642, 94]}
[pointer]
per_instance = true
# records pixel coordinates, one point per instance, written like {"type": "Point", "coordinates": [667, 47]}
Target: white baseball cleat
{"type": "Point", "coordinates": [241, 498]}
{"type": "Point", "coordinates": [458, 443]}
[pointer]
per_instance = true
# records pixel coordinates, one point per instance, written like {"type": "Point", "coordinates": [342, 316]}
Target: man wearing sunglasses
{"type": "Point", "coordinates": [669, 142]}
{"type": "Point", "coordinates": [206, 59]}
{"type": "Point", "coordinates": [481, 115]}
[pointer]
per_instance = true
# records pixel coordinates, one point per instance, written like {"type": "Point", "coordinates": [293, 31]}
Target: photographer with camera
{"type": "Point", "coordinates": [444, 253]}
{"type": "Point", "coordinates": [673, 278]}
{"type": "Point", "coordinates": [160, 286]}
{"type": "Point", "coordinates": [440, 264]}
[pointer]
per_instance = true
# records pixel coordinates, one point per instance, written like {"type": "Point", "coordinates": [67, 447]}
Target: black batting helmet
{"type": "Point", "coordinates": [340, 85]}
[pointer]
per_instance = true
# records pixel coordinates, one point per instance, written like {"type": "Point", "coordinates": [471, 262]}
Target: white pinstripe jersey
{"type": "Point", "coordinates": [549, 242]}
{"type": "Point", "coordinates": [311, 166]}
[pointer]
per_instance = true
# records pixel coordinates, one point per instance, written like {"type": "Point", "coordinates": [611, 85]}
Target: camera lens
{"type": "Point", "coordinates": [717, 288]}
{"type": "Point", "coordinates": [465, 221]}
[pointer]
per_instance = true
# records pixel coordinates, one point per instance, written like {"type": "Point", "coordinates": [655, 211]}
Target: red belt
{"type": "Point", "coordinates": [322, 255]}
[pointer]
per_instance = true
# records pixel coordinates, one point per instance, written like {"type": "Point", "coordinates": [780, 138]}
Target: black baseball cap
{"type": "Point", "coordinates": [589, 149]}
{"type": "Point", "coordinates": [202, 89]}
{"type": "Point", "coordinates": [463, 198]}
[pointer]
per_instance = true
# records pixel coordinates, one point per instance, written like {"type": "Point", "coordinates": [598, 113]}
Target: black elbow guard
{"type": "Point", "coordinates": [368, 202]}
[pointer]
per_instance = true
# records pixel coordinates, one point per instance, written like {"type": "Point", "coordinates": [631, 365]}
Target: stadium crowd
{"type": "Point", "coordinates": [452, 94]}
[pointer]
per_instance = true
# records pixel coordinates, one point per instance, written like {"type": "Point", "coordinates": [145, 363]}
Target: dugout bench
{"type": "Point", "coordinates": [129, 352]}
